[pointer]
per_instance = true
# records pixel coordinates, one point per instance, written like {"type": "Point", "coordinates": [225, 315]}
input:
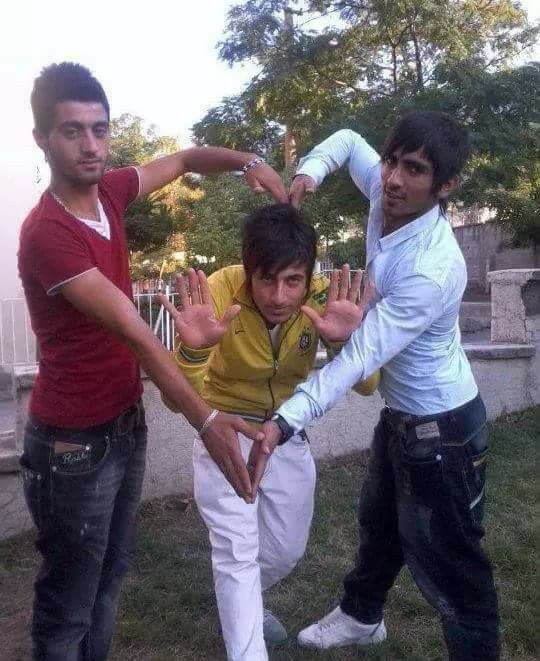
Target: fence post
{"type": "Point", "coordinates": [167, 320]}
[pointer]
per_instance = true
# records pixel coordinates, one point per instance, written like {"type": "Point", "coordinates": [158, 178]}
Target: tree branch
{"type": "Point", "coordinates": [339, 83]}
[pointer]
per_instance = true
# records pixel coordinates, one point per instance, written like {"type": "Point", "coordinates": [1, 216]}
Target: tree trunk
{"type": "Point", "coordinates": [289, 143]}
{"type": "Point", "coordinates": [418, 61]}
{"type": "Point", "coordinates": [394, 68]}
{"type": "Point", "coordinates": [289, 147]}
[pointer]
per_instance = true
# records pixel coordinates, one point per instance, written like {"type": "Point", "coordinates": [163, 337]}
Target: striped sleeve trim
{"type": "Point", "coordinates": [55, 289]}
{"type": "Point", "coordinates": [194, 356]}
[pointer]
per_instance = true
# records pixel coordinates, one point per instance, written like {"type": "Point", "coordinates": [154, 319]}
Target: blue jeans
{"type": "Point", "coordinates": [422, 504]}
{"type": "Point", "coordinates": [83, 489]}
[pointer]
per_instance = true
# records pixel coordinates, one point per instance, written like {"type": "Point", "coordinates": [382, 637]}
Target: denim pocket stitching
{"type": "Point", "coordinates": [411, 459]}
{"type": "Point", "coordinates": [467, 439]}
{"type": "Point", "coordinates": [469, 468]}
{"type": "Point", "coordinates": [28, 474]}
{"type": "Point", "coordinates": [57, 471]}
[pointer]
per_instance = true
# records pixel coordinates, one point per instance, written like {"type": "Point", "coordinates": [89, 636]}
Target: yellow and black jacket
{"type": "Point", "coordinates": [243, 373]}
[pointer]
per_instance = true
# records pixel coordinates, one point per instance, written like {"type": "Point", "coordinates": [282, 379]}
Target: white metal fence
{"type": "Point", "coordinates": [18, 342]}
{"type": "Point", "coordinates": [157, 317]}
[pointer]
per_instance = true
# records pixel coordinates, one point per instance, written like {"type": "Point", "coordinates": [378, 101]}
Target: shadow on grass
{"type": "Point", "coordinates": [168, 609]}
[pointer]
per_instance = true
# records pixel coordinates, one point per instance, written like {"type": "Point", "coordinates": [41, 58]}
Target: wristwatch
{"type": "Point", "coordinates": [285, 428]}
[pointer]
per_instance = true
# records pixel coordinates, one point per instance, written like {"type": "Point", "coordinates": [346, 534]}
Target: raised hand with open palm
{"type": "Point", "coordinates": [344, 308]}
{"type": "Point", "coordinates": [196, 322]}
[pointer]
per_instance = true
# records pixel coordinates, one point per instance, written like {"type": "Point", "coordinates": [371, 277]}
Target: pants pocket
{"type": "Point", "coordinates": [78, 453]}
{"type": "Point", "coordinates": [474, 477]}
{"type": "Point", "coordinates": [420, 466]}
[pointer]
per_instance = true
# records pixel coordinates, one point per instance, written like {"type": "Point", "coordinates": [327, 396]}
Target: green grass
{"type": "Point", "coordinates": [168, 609]}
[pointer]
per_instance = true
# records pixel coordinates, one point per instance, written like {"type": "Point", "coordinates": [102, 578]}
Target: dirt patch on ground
{"type": "Point", "coordinates": [17, 572]}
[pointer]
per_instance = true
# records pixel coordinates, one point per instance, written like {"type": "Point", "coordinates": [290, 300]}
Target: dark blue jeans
{"type": "Point", "coordinates": [422, 505]}
{"type": "Point", "coordinates": [83, 489]}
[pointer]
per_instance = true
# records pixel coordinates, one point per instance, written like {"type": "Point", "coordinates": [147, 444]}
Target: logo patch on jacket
{"type": "Point", "coordinates": [238, 327]}
{"type": "Point", "coordinates": [305, 340]}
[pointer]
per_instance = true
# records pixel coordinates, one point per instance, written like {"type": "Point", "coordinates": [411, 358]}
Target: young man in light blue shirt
{"type": "Point", "coordinates": [422, 503]}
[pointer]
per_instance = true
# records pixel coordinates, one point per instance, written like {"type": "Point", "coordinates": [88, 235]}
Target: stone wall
{"type": "Point", "coordinates": [487, 247]}
{"type": "Point", "coordinates": [475, 316]}
{"type": "Point", "coordinates": [515, 305]}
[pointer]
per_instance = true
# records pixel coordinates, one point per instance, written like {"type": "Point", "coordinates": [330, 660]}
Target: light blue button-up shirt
{"type": "Point", "coordinates": [411, 333]}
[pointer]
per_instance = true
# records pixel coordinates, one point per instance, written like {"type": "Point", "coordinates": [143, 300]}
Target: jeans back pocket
{"type": "Point", "coordinates": [78, 452]}
{"type": "Point", "coordinates": [420, 465]}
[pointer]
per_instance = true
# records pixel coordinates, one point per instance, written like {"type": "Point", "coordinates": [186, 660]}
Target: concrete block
{"type": "Point", "coordinates": [499, 351]}
{"type": "Point", "coordinates": [14, 515]}
{"type": "Point", "coordinates": [515, 298]}
{"type": "Point", "coordinates": [9, 461]}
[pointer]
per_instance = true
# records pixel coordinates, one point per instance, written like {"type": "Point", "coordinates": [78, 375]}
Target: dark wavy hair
{"type": "Point", "coordinates": [445, 143]}
{"type": "Point", "coordinates": [275, 237]}
{"type": "Point", "coordinates": [66, 81]}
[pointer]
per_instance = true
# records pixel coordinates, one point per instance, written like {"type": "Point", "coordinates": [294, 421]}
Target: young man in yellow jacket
{"type": "Point", "coordinates": [245, 343]}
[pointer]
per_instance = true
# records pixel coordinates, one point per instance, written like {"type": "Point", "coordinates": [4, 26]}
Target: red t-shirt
{"type": "Point", "coordinates": [86, 375]}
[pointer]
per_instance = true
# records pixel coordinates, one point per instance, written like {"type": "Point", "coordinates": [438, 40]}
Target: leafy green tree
{"type": "Point", "coordinates": [213, 240]}
{"type": "Point", "coordinates": [351, 251]}
{"type": "Point", "coordinates": [132, 141]}
{"type": "Point", "coordinates": [503, 112]}
{"type": "Point", "coordinates": [233, 124]}
{"type": "Point", "coordinates": [154, 219]}
{"type": "Point", "coordinates": [363, 49]}
{"type": "Point", "coordinates": [326, 64]}
{"type": "Point", "coordinates": [407, 40]}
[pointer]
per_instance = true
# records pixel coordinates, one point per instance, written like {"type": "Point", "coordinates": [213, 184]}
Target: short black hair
{"type": "Point", "coordinates": [66, 81]}
{"type": "Point", "coordinates": [275, 237]}
{"type": "Point", "coordinates": [445, 143]}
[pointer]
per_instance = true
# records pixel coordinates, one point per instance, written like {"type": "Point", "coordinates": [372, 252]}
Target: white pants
{"type": "Point", "coordinates": [254, 546]}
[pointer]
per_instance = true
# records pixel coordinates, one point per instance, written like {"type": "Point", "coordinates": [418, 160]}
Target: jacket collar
{"type": "Point", "coordinates": [242, 295]}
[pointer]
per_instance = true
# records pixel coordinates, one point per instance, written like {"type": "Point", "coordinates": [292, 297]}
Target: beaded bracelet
{"type": "Point", "coordinates": [252, 164]}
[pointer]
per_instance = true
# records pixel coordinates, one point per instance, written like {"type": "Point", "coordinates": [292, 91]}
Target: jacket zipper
{"type": "Point", "coordinates": [275, 359]}
{"type": "Point", "coordinates": [275, 364]}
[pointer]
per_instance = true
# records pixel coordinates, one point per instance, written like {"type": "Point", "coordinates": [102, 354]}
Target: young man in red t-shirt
{"type": "Point", "coordinates": [84, 454]}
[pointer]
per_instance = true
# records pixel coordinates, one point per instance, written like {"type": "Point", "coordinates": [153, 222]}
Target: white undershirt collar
{"type": "Point", "coordinates": [101, 226]}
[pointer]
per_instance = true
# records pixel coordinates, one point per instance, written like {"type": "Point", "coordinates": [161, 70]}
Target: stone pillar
{"type": "Point", "coordinates": [24, 377]}
{"type": "Point", "coordinates": [515, 305]}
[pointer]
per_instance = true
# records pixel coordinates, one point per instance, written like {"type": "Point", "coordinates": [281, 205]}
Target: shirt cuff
{"type": "Point", "coordinates": [312, 167]}
{"type": "Point", "coordinates": [297, 411]}
{"type": "Point", "coordinates": [187, 355]}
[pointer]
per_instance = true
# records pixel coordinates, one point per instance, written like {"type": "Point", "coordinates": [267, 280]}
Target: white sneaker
{"type": "Point", "coordinates": [338, 629]}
